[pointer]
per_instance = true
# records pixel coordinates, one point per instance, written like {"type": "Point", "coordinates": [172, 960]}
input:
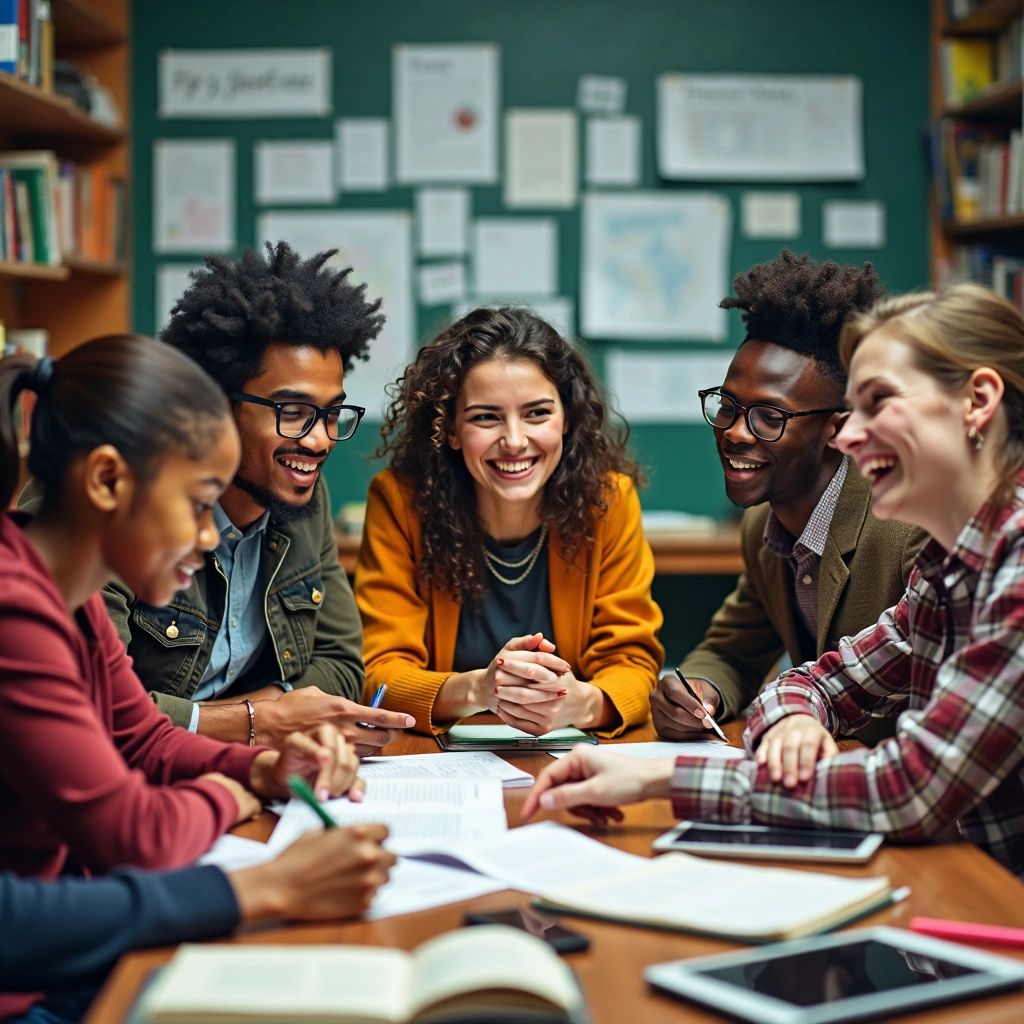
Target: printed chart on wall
{"type": "Point", "coordinates": [654, 265]}
{"type": "Point", "coordinates": [378, 246]}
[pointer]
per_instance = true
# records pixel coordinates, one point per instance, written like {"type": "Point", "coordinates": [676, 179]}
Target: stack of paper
{"type": "Point", "coordinates": [455, 765]}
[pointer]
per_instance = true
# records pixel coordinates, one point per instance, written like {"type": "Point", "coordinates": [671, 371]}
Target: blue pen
{"type": "Point", "coordinates": [375, 703]}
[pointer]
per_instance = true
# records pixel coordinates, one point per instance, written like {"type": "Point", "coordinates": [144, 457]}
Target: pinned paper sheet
{"type": "Point", "coordinates": [442, 282]}
{"type": "Point", "coordinates": [558, 310]}
{"type": "Point", "coordinates": [194, 195]}
{"type": "Point", "coordinates": [442, 221]}
{"type": "Point", "coordinates": [771, 214]}
{"type": "Point", "coordinates": [540, 158]}
{"type": "Point", "coordinates": [514, 255]}
{"type": "Point", "coordinates": [362, 158]}
{"type": "Point", "coordinates": [294, 171]}
{"type": "Point", "coordinates": [171, 281]}
{"type": "Point", "coordinates": [654, 388]}
{"type": "Point", "coordinates": [601, 94]}
{"type": "Point", "coordinates": [446, 113]}
{"type": "Point", "coordinates": [853, 224]}
{"type": "Point", "coordinates": [613, 151]}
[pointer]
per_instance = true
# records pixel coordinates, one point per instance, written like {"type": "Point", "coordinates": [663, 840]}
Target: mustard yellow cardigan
{"type": "Point", "coordinates": [604, 618]}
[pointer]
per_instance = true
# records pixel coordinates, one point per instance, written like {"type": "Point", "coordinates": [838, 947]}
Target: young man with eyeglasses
{"type": "Point", "coordinates": [266, 639]}
{"type": "Point", "coordinates": [817, 565]}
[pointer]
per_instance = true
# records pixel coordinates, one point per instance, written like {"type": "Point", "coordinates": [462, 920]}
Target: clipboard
{"type": "Point", "coordinates": [507, 738]}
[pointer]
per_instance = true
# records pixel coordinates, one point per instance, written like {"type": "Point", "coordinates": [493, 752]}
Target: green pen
{"type": "Point", "coordinates": [301, 789]}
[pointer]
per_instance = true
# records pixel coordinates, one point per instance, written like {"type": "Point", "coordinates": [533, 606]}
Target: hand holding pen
{"type": "Point", "coordinates": [689, 701]}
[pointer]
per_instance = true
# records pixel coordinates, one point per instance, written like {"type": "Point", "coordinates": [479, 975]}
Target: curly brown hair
{"type": "Point", "coordinates": [799, 304]}
{"type": "Point", "coordinates": [421, 414]}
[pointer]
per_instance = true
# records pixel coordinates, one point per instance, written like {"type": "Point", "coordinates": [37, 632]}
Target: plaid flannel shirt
{"type": "Point", "coordinates": [949, 660]}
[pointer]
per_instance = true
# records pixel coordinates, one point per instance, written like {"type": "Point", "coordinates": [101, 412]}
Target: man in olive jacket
{"type": "Point", "coordinates": [265, 638]}
{"type": "Point", "coordinates": [817, 565]}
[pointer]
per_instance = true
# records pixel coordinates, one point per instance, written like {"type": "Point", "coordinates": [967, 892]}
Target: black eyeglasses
{"type": "Point", "coordinates": [767, 422]}
{"type": "Point", "coordinates": [297, 419]}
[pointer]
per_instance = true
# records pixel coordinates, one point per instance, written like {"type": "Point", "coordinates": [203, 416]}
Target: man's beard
{"type": "Point", "coordinates": [280, 511]}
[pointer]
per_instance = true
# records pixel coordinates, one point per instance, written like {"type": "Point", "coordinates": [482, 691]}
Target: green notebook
{"type": "Point", "coordinates": [507, 737]}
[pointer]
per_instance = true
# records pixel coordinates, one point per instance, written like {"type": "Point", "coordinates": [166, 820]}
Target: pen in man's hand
{"type": "Point", "coordinates": [379, 695]}
{"type": "Point", "coordinates": [300, 789]}
{"type": "Point", "coordinates": [689, 689]}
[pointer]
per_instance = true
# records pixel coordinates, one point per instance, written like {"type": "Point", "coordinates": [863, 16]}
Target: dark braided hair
{"type": "Point", "coordinates": [232, 311]}
{"type": "Point", "coordinates": [800, 305]}
{"type": "Point", "coordinates": [421, 413]}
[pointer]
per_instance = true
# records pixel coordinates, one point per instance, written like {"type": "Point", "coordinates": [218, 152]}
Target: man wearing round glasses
{"type": "Point", "coordinates": [266, 639]}
{"type": "Point", "coordinates": [817, 565]}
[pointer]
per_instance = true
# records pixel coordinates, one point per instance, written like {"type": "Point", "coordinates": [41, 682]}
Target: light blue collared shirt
{"type": "Point", "coordinates": [243, 632]}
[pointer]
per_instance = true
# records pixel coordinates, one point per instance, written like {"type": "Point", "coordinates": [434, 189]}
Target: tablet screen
{"type": "Point", "coordinates": [826, 975]}
{"type": "Point", "coordinates": [810, 839]}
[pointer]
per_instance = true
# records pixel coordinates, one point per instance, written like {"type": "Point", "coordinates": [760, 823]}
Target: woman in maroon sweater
{"type": "Point", "coordinates": [132, 445]}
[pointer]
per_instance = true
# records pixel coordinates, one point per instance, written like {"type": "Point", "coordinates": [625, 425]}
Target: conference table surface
{"type": "Point", "coordinates": [952, 880]}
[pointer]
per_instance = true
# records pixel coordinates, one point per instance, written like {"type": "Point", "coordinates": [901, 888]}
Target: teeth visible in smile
{"type": "Point", "coordinates": [873, 468]}
{"type": "Point", "coordinates": [302, 467]}
{"type": "Point", "coordinates": [743, 465]}
{"type": "Point", "coordinates": [514, 467]}
{"type": "Point", "coordinates": [187, 570]}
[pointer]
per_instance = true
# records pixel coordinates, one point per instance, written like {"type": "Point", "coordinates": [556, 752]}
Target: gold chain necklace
{"type": "Point", "coordinates": [529, 560]}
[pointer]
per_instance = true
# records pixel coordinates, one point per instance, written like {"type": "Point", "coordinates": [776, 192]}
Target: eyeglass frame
{"type": "Point", "coordinates": [320, 412]}
{"type": "Point", "coordinates": [786, 414]}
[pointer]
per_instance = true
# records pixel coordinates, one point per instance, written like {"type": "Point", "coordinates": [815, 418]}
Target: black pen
{"type": "Point", "coordinates": [689, 690]}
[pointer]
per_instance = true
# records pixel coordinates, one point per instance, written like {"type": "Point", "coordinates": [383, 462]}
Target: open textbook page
{"type": "Point", "coordinates": [421, 814]}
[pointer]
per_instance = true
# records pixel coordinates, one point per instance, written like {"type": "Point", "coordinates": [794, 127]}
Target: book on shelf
{"type": "Point", "coordinates": [32, 237]}
{"type": "Point", "coordinates": [486, 973]}
{"type": "Point", "coordinates": [732, 901]}
{"type": "Point", "coordinates": [27, 41]}
{"type": "Point", "coordinates": [968, 68]}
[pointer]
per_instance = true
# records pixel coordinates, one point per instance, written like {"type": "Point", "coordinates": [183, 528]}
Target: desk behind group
{"type": "Point", "coordinates": [952, 880]}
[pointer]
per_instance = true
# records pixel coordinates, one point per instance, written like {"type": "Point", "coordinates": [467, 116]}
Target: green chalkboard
{"type": "Point", "coordinates": [545, 46]}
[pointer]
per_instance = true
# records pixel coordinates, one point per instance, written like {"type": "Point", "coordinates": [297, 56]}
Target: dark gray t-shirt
{"type": "Point", "coordinates": [508, 610]}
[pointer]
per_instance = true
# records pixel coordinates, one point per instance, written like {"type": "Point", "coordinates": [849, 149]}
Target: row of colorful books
{"type": "Point", "coordinates": [26, 41]}
{"type": "Point", "coordinates": [1003, 272]}
{"type": "Point", "coordinates": [976, 170]}
{"type": "Point", "coordinates": [53, 209]}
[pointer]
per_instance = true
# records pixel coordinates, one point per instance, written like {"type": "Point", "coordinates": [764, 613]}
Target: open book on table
{"type": "Point", "coordinates": [735, 901]}
{"type": "Point", "coordinates": [483, 975]}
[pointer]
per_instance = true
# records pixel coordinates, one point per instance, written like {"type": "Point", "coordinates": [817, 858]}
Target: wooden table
{"type": "Point", "coordinates": [954, 880]}
{"type": "Point", "coordinates": [675, 553]}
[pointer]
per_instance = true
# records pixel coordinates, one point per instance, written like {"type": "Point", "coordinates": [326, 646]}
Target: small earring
{"type": "Point", "coordinates": [975, 435]}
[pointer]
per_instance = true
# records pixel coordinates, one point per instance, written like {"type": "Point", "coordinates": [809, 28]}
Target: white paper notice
{"type": "Point", "coordinates": [656, 749]}
{"type": "Point", "coordinates": [377, 244]}
{"type": "Point", "coordinates": [760, 127]}
{"type": "Point", "coordinates": [193, 195]}
{"type": "Point", "coordinates": [446, 113]}
{"type": "Point", "coordinates": [171, 281]}
{"type": "Point", "coordinates": [294, 171]}
{"type": "Point", "coordinates": [422, 814]}
{"type": "Point", "coordinates": [613, 151]}
{"type": "Point", "coordinates": [653, 388]}
{"type": "Point", "coordinates": [771, 214]}
{"type": "Point", "coordinates": [442, 282]}
{"type": "Point", "coordinates": [654, 265]}
{"type": "Point", "coordinates": [540, 158]}
{"type": "Point", "coordinates": [853, 224]}
{"type": "Point", "coordinates": [442, 221]}
{"type": "Point", "coordinates": [362, 153]}
{"type": "Point", "coordinates": [558, 310]}
{"type": "Point", "coordinates": [416, 885]}
{"type": "Point", "coordinates": [514, 256]}
{"type": "Point", "coordinates": [601, 94]}
{"type": "Point", "coordinates": [245, 83]}
{"type": "Point", "coordinates": [236, 852]}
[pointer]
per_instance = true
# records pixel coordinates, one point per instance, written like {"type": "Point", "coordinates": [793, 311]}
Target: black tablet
{"type": "Point", "coordinates": [856, 975]}
{"type": "Point", "coordinates": [769, 842]}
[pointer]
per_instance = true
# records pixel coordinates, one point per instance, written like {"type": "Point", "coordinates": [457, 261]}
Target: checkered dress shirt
{"type": "Point", "coordinates": [949, 660]}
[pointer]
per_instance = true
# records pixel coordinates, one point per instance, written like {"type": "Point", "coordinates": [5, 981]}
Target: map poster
{"type": "Point", "coordinates": [655, 266]}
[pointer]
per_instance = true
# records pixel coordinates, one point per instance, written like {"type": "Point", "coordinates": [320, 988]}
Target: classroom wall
{"type": "Point", "coordinates": [545, 46]}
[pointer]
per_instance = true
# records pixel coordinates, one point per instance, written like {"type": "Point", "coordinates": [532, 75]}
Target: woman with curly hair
{"type": "Point", "coordinates": [503, 567]}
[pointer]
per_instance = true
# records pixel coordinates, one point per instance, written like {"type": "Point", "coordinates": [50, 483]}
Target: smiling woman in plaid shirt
{"type": "Point", "coordinates": [936, 393]}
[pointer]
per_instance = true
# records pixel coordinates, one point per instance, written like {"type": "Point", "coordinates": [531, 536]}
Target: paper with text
{"type": "Point", "coordinates": [455, 764]}
{"type": "Point", "coordinates": [659, 748]}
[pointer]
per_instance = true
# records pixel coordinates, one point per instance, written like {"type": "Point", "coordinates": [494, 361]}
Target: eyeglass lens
{"type": "Point", "coordinates": [297, 420]}
{"type": "Point", "coordinates": [764, 422]}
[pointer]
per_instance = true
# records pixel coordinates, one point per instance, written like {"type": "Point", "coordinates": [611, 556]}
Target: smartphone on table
{"type": "Point", "coordinates": [536, 922]}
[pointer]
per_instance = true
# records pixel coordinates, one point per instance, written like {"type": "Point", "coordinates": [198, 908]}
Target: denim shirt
{"type": "Point", "coordinates": [307, 605]}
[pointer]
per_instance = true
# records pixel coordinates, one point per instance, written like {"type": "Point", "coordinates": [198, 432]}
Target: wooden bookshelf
{"type": "Point", "coordinates": [80, 298]}
{"type": "Point", "coordinates": [998, 110]}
